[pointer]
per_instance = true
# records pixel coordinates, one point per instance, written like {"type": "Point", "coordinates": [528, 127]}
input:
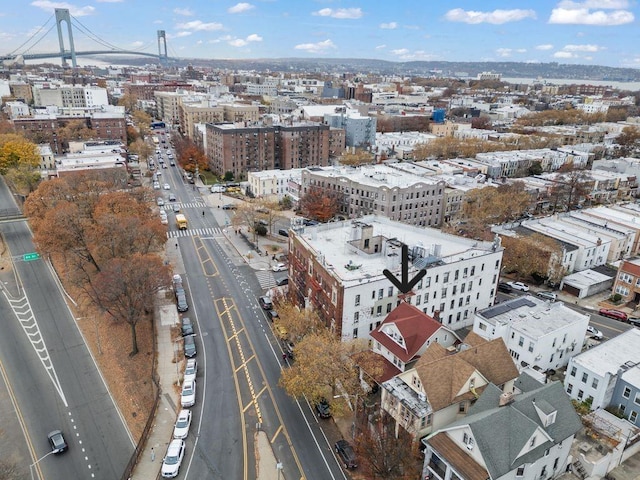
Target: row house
{"type": "Point", "coordinates": [627, 282]}
{"type": "Point", "coordinates": [538, 333]}
{"type": "Point", "coordinates": [337, 269]}
{"type": "Point", "coordinates": [444, 383]}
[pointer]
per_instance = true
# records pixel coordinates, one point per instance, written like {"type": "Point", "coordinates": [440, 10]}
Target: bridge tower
{"type": "Point", "coordinates": [62, 15]}
{"type": "Point", "coordinates": [162, 46]}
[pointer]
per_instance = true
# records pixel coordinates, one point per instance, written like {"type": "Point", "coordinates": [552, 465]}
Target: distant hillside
{"type": "Point", "coordinates": [355, 65]}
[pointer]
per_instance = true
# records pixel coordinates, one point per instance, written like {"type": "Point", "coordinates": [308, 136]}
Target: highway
{"type": "Point", "coordinates": [237, 391]}
{"type": "Point", "coordinates": [54, 380]}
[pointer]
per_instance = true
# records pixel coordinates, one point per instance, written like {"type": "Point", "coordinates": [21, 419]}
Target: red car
{"type": "Point", "coordinates": [615, 314]}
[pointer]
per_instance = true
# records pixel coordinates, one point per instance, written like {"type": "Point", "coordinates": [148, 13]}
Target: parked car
{"type": "Point", "coordinates": [160, 201]}
{"type": "Point", "coordinates": [279, 267]}
{"type": "Point", "coordinates": [188, 395]}
{"type": "Point", "coordinates": [635, 321]}
{"type": "Point", "coordinates": [172, 163]}
{"type": "Point", "coordinates": [323, 408]}
{"type": "Point", "coordinates": [272, 314]}
{"type": "Point", "coordinates": [594, 333]}
{"type": "Point", "coordinates": [181, 301]}
{"type": "Point", "coordinates": [166, 186]}
{"type": "Point", "coordinates": [181, 428]}
{"type": "Point", "coordinates": [283, 232]}
{"type": "Point", "coordinates": [612, 313]}
{"type": "Point", "coordinates": [156, 186]}
{"type": "Point", "coordinates": [548, 296]}
{"type": "Point", "coordinates": [163, 217]}
{"type": "Point", "coordinates": [173, 459]}
{"type": "Point", "coordinates": [282, 281]}
{"type": "Point", "coordinates": [172, 197]}
{"type": "Point", "coordinates": [504, 287]}
{"type": "Point", "coordinates": [265, 302]}
{"type": "Point", "coordinates": [523, 287]}
{"type": "Point", "coordinates": [189, 347]}
{"type": "Point", "coordinates": [187, 326]}
{"type": "Point", "coordinates": [346, 453]}
{"type": "Point", "coordinates": [190, 370]}
{"type": "Point", "coordinates": [229, 206]}
{"type": "Point", "coordinates": [57, 442]}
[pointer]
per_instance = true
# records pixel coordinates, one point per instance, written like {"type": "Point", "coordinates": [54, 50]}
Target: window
{"type": "Point", "coordinates": [569, 388]}
{"type": "Point", "coordinates": [532, 442]}
{"type": "Point", "coordinates": [357, 300]}
{"type": "Point", "coordinates": [573, 371]}
{"type": "Point", "coordinates": [555, 463]}
{"type": "Point", "coordinates": [521, 341]}
{"type": "Point", "coordinates": [594, 384]}
{"type": "Point", "coordinates": [531, 346]}
{"type": "Point", "coordinates": [355, 333]}
{"type": "Point", "coordinates": [390, 292]}
{"type": "Point", "coordinates": [627, 392]}
{"type": "Point", "coordinates": [637, 399]}
{"type": "Point", "coordinates": [580, 395]}
{"type": "Point", "coordinates": [520, 471]}
{"type": "Point", "coordinates": [356, 317]}
{"type": "Point", "coordinates": [380, 293]}
{"type": "Point", "coordinates": [633, 416]}
{"type": "Point", "coordinates": [462, 407]}
{"type": "Point", "coordinates": [467, 440]}
{"type": "Point", "coordinates": [445, 277]}
{"type": "Point", "coordinates": [585, 377]}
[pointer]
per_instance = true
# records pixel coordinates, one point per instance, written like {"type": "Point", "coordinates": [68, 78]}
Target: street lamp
{"type": "Point", "coordinates": [278, 468]}
{"type": "Point", "coordinates": [32, 466]}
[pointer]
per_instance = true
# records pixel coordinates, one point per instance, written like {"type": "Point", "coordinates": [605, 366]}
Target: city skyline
{"type": "Point", "coordinates": [587, 32]}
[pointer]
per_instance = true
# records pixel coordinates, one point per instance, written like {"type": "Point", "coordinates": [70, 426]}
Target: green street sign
{"type": "Point", "coordinates": [27, 257]}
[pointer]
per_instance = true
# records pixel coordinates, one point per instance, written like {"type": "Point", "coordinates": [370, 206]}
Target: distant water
{"type": "Point", "coordinates": [633, 86]}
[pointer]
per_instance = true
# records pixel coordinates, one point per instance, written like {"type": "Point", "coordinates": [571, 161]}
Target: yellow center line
{"type": "Point", "coordinates": [273, 439]}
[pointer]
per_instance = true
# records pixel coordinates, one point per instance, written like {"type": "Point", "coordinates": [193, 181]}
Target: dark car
{"type": "Point", "coordinates": [181, 300]}
{"type": "Point", "coordinates": [272, 314]}
{"type": "Point", "coordinates": [187, 326]}
{"type": "Point", "coordinates": [282, 281]}
{"type": "Point", "coordinates": [346, 453]}
{"type": "Point", "coordinates": [229, 206]}
{"type": "Point", "coordinates": [504, 287]}
{"type": "Point", "coordinates": [190, 347]}
{"type": "Point", "coordinates": [612, 313]}
{"type": "Point", "coordinates": [323, 408]}
{"type": "Point", "coordinates": [283, 232]}
{"type": "Point", "coordinates": [57, 442]}
{"type": "Point", "coordinates": [265, 303]}
{"type": "Point", "coordinates": [635, 321]}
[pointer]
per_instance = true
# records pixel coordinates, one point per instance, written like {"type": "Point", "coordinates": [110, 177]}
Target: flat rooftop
{"type": "Point", "coordinates": [377, 176]}
{"type": "Point", "coordinates": [610, 356]}
{"type": "Point", "coordinates": [532, 316]}
{"type": "Point", "coordinates": [331, 242]}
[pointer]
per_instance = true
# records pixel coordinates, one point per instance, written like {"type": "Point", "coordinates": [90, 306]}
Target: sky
{"type": "Point", "coordinates": [593, 32]}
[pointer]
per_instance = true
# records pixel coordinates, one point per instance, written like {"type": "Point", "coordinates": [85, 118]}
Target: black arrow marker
{"type": "Point", "coordinates": [405, 285]}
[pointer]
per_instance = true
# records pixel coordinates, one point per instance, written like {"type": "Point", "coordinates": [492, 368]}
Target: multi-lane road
{"type": "Point", "coordinates": [51, 377]}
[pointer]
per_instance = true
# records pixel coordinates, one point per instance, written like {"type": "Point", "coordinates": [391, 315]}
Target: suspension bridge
{"type": "Point", "coordinates": [67, 49]}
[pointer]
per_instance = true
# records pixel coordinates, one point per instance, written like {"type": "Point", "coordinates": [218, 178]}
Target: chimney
{"type": "Point", "coordinates": [505, 399]}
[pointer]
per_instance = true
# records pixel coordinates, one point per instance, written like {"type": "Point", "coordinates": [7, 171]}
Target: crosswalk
{"type": "Point", "coordinates": [265, 279]}
{"type": "Point", "coordinates": [169, 205]}
{"type": "Point", "coordinates": [196, 232]}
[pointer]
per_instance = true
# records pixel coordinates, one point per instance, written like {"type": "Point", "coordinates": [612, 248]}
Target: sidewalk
{"type": "Point", "coordinates": [170, 373]}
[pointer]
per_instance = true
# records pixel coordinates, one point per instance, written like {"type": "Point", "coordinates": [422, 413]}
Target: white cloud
{"type": "Point", "coordinates": [185, 12]}
{"type": "Point", "coordinates": [198, 26]}
{"type": "Point", "coordinates": [562, 54]}
{"type": "Point", "coordinates": [406, 54]}
{"type": "Point", "coordinates": [319, 47]}
{"type": "Point", "coordinates": [592, 12]}
{"type": "Point", "coordinates": [496, 17]}
{"type": "Point", "coordinates": [240, 42]}
{"type": "Point", "coordinates": [240, 8]}
{"type": "Point", "coordinates": [179, 34]}
{"type": "Point", "coordinates": [380, 47]}
{"type": "Point", "coordinates": [389, 26]}
{"type": "Point", "coordinates": [157, 22]}
{"type": "Point", "coordinates": [341, 13]}
{"type": "Point", "coordinates": [400, 51]}
{"type": "Point", "coordinates": [546, 46]}
{"type": "Point", "coordinates": [582, 48]}
{"type": "Point", "coordinates": [73, 10]}
{"type": "Point", "coordinates": [137, 44]}
{"type": "Point", "coordinates": [506, 52]}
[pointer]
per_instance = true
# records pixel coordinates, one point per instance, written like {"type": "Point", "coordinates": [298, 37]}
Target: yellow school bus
{"type": "Point", "coordinates": [181, 221]}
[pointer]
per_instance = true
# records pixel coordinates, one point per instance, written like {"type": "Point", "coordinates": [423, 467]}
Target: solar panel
{"type": "Point", "coordinates": [507, 307]}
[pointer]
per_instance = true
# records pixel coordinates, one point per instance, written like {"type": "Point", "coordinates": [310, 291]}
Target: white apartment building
{"type": "Point", "coordinates": [275, 184]}
{"type": "Point", "coordinates": [536, 332]}
{"type": "Point", "coordinates": [582, 250]}
{"type": "Point", "coordinates": [337, 269]}
{"type": "Point", "coordinates": [593, 374]}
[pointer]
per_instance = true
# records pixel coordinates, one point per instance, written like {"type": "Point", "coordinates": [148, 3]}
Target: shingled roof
{"type": "Point", "coordinates": [443, 374]}
{"type": "Point", "coordinates": [415, 327]}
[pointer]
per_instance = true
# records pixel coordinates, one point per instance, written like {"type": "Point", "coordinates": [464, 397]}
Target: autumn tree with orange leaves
{"type": "Point", "coordinates": [320, 204]}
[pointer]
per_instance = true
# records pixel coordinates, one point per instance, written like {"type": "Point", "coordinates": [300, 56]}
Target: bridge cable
{"type": "Point", "coordinates": [32, 36]}
{"type": "Point", "coordinates": [93, 36]}
{"type": "Point", "coordinates": [40, 39]}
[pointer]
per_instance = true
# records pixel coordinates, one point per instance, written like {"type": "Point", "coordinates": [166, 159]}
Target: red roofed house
{"type": "Point", "coordinates": [405, 335]}
{"type": "Point", "coordinates": [445, 382]}
{"type": "Point", "coordinates": [627, 281]}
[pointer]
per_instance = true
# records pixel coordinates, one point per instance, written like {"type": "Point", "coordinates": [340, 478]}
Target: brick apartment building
{"type": "Point", "coordinates": [240, 149]}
